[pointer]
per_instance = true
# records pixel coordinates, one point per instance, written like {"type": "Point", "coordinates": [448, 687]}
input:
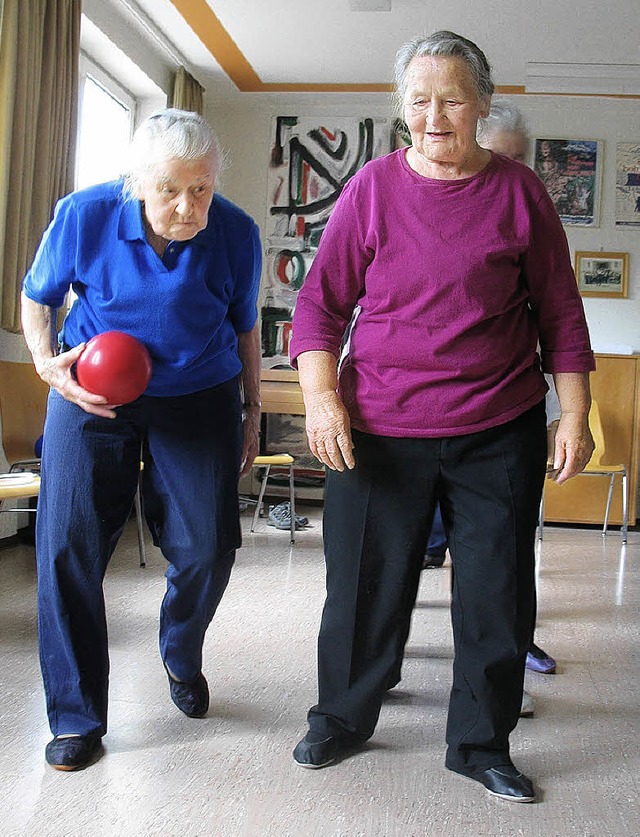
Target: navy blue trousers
{"type": "Point", "coordinates": [377, 520]}
{"type": "Point", "coordinates": [437, 543]}
{"type": "Point", "coordinates": [191, 446]}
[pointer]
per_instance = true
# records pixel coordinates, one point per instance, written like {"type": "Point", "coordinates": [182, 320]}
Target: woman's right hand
{"type": "Point", "coordinates": [57, 371]}
{"type": "Point", "coordinates": [329, 430]}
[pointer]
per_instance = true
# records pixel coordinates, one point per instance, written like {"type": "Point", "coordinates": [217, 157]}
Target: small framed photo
{"type": "Point", "coordinates": [603, 274]}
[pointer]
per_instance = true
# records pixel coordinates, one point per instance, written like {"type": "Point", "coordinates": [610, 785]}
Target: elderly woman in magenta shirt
{"type": "Point", "coordinates": [459, 263]}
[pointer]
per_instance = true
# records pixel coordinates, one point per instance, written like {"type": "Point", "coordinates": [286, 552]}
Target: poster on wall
{"type": "Point", "coordinates": [628, 184]}
{"type": "Point", "coordinates": [570, 169]}
{"type": "Point", "coordinates": [311, 160]}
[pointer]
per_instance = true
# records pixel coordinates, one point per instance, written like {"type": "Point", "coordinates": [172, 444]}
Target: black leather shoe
{"type": "Point", "coordinates": [430, 562]}
{"type": "Point", "coordinates": [316, 754]}
{"type": "Point", "coordinates": [190, 698]}
{"type": "Point", "coordinates": [73, 753]}
{"type": "Point", "coordinates": [504, 781]}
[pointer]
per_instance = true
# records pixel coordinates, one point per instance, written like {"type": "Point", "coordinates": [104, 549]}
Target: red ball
{"type": "Point", "coordinates": [115, 365]}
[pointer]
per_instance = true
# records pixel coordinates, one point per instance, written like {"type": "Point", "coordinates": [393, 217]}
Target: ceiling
{"type": "Point", "coordinates": [273, 45]}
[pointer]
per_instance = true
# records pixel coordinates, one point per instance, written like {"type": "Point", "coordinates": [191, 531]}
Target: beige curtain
{"type": "Point", "coordinates": [39, 46]}
{"type": "Point", "coordinates": [187, 92]}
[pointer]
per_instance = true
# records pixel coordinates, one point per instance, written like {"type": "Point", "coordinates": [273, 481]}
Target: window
{"type": "Point", "coordinates": [105, 125]}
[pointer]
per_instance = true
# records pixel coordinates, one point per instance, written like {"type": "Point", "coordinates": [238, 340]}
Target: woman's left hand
{"type": "Point", "coordinates": [573, 447]}
{"type": "Point", "coordinates": [251, 442]}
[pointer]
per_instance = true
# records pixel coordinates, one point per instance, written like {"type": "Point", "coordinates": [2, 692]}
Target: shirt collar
{"type": "Point", "coordinates": [131, 227]}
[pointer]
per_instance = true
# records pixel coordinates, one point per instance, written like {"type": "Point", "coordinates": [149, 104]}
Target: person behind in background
{"type": "Point", "coordinates": [161, 256]}
{"type": "Point", "coordinates": [460, 266]}
{"type": "Point", "coordinates": [505, 132]}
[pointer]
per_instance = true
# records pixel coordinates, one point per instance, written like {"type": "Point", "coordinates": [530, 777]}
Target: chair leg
{"type": "Point", "coordinates": [140, 525]}
{"type": "Point", "coordinates": [625, 507]}
{"type": "Point", "coordinates": [263, 488]}
{"type": "Point", "coordinates": [606, 511]}
{"type": "Point", "coordinates": [292, 504]}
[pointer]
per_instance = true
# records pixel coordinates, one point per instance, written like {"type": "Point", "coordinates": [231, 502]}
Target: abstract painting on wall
{"type": "Point", "coordinates": [311, 161]}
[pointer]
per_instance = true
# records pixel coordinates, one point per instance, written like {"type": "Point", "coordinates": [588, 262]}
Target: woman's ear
{"type": "Point", "coordinates": [485, 106]}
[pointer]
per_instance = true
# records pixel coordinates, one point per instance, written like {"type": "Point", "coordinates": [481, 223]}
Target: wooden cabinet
{"type": "Point", "coordinates": [615, 385]}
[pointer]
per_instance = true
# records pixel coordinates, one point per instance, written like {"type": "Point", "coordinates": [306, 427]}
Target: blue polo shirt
{"type": "Point", "coordinates": [187, 307]}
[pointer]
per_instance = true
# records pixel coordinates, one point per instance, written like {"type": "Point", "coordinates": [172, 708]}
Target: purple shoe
{"type": "Point", "coordinates": [539, 660]}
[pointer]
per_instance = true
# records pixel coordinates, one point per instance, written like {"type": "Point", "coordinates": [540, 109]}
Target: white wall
{"type": "Point", "coordinates": [612, 322]}
{"type": "Point", "coordinates": [121, 28]}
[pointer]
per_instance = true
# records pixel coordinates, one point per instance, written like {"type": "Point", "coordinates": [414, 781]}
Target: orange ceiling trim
{"type": "Point", "coordinates": [202, 19]}
{"type": "Point", "coordinates": [510, 89]}
{"type": "Point", "coordinates": [309, 87]}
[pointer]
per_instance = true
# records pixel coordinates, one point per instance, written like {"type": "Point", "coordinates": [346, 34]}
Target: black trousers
{"type": "Point", "coordinates": [377, 519]}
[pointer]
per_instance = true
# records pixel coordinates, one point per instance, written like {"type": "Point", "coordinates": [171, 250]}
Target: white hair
{"type": "Point", "coordinates": [167, 135]}
{"type": "Point", "coordinates": [447, 44]}
{"type": "Point", "coordinates": [503, 116]}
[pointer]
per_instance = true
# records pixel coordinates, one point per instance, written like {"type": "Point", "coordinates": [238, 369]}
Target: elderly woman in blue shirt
{"type": "Point", "coordinates": [164, 258]}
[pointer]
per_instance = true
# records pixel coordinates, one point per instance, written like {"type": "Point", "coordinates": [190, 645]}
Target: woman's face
{"type": "Point", "coordinates": [177, 195]}
{"type": "Point", "coordinates": [512, 144]}
{"type": "Point", "coordinates": [441, 108]}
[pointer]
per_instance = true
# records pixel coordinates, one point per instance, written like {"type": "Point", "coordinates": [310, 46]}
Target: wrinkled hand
{"type": "Point", "coordinates": [251, 441]}
{"type": "Point", "coordinates": [329, 430]}
{"type": "Point", "coordinates": [56, 372]}
{"type": "Point", "coordinates": [573, 447]}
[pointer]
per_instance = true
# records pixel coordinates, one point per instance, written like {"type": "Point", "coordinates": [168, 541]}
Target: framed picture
{"type": "Point", "coordinates": [571, 171]}
{"type": "Point", "coordinates": [603, 274]}
{"type": "Point", "coordinates": [628, 184]}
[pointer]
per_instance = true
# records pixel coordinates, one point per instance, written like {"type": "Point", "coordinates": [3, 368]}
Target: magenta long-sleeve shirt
{"type": "Point", "coordinates": [457, 281]}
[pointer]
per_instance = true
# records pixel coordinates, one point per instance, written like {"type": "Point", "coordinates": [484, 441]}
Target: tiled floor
{"type": "Point", "coordinates": [231, 774]}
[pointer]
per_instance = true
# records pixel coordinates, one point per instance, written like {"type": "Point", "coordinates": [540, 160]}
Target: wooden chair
{"type": "Point", "coordinates": [14, 488]}
{"type": "Point", "coordinates": [596, 468]}
{"type": "Point", "coordinates": [23, 403]}
{"type": "Point", "coordinates": [267, 462]}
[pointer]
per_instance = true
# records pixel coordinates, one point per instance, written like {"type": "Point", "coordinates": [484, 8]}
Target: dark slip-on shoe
{"type": "Point", "coordinates": [316, 754]}
{"type": "Point", "coordinates": [190, 698]}
{"type": "Point", "coordinates": [504, 781]}
{"type": "Point", "coordinates": [73, 753]}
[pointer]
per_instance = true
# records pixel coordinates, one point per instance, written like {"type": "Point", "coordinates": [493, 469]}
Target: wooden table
{"type": "Point", "coordinates": [280, 392]}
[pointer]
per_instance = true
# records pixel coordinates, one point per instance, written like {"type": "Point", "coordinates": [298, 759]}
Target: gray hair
{"type": "Point", "coordinates": [447, 44]}
{"type": "Point", "coordinates": [503, 116]}
{"type": "Point", "coordinates": [166, 135]}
